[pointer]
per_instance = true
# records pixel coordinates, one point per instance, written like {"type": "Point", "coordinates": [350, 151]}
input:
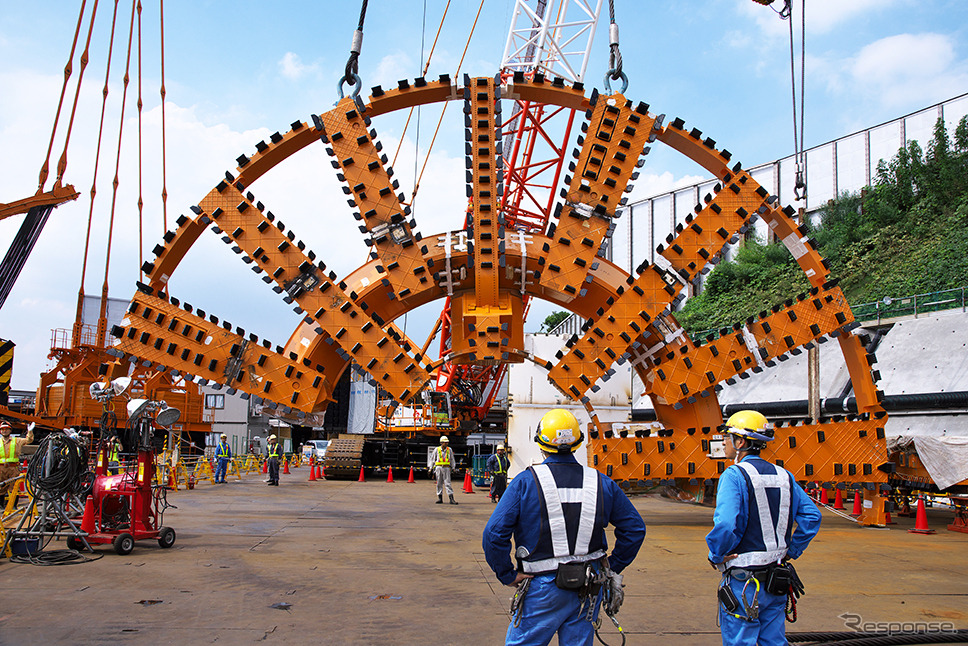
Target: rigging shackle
{"type": "Point", "coordinates": [356, 84]}
{"type": "Point", "coordinates": [617, 75]}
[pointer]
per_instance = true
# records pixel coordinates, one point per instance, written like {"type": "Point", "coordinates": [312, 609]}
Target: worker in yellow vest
{"type": "Point", "coordinates": [273, 456]}
{"type": "Point", "coordinates": [10, 450]}
{"type": "Point", "coordinates": [114, 456]}
{"type": "Point", "coordinates": [443, 459]}
{"type": "Point", "coordinates": [498, 465]}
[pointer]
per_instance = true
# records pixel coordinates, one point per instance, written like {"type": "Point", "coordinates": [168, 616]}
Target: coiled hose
{"type": "Point", "coordinates": [57, 468]}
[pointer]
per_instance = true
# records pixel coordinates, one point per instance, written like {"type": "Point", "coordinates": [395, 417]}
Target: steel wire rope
{"type": "Point", "coordinates": [164, 178]}
{"type": "Point", "coordinates": [102, 318]}
{"type": "Point", "coordinates": [85, 57]}
{"type": "Point", "coordinates": [93, 192]}
{"type": "Point", "coordinates": [141, 202]}
{"type": "Point", "coordinates": [444, 110]}
{"type": "Point", "coordinates": [20, 248]}
{"type": "Point", "coordinates": [426, 67]}
{"type": "Point", "coordinates": [68, 70]}
{"type": "Point", "coordinates": [351, 73]}
{"type": "Point", "coordinates": [800, 186]}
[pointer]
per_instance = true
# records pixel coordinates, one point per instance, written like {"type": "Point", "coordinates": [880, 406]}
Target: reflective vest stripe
{"type": "Point", "coordinates": [589, 506]}
{"type": "Point", "coordinates": [274, 451]}
{"type": "Point", "coordinates": [556, 515]}
{"type": "Point", "coordinates": [773, 533]}
{"type": "Point", "coordinates": [444, 457]}
{"type": "Point", "coordinates": [500, 465]}
{"type": "Point", "coordinates": [555, 497]}
{"type": "Point", "coordinates": [222, 451]}
{"type": "Point", "coordinates": [546, 565]}
{"type": "Point", "coordinates": [4, 458]}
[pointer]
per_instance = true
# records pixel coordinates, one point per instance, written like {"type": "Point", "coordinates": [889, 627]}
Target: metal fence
{"type": "Point", "coordinates": [912, 306]}
{"type": "Point", "coordinates": [845, 164]}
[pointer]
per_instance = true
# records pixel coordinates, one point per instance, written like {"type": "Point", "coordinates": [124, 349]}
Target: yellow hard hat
{"type": "Point", "coordinates": [559, 432]}
{"type": "Point", "coordinates": [751, 425]}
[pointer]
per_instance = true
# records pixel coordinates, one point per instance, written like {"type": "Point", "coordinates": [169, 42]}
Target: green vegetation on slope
{"type": "Point", "coordinates": [908, 234]}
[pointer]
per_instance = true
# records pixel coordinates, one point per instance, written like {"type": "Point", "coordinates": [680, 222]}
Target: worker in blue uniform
{"type": "Point", "coordinates": [557, 512]}
{"type": "Point", "coordinates": [757, 505]}
{"type": "Point", "coordinates": [222, 456]}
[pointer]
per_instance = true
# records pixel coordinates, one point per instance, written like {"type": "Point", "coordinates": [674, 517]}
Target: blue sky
{"type": "Point", "coordinates": [236, 72]}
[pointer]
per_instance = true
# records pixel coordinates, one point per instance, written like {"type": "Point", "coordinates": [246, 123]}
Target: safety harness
{"type": "Point", "coordinates": [764, 568]}
{"type": "Point", "coordinates": [574, 571]}
{"type": "Point", "coordinates": [773, 531]}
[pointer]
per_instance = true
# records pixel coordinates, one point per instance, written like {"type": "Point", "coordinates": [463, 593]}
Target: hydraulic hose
{"type": "Point", "coordinates": [879, 639]}
{"type": "Point", "coordinates": [56, 468]}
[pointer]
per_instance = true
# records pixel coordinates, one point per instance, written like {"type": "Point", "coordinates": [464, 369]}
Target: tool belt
{"type": "Point", "coordinates": [583, 577]}
{"type": "Point", "coordinates": [777, 579]}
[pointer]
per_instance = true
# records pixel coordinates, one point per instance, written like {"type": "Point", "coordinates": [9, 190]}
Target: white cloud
{"type": "Point", "coordinates": [392, 68]}
{"type": "Point", "coordinates": [823, 16]}
{"type": "Point", "coordinates": [292, 67]}
{"type": "Point", "coordinates": [652, 184]}
{"type": "Point", "coordinates": [898, 72]}
{"type": "Point", "coordinates": [303, 192]}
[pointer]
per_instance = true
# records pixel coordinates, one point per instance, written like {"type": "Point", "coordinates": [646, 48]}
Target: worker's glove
{"type": "Point", "coordinates": [614, 593]}
{"type": "Point", "coordinates": [30, 427]}
{"type": "Point", "coordinates": [796, 585]}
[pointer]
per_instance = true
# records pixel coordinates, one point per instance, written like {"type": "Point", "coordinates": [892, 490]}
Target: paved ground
{"type": "Point", "coordinates": [378, 563]}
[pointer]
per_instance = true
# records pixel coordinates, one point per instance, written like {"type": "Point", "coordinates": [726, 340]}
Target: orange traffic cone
{"type": "Point", "coordinates": [320, 473]}
{"type": "Point", "coordinates": [823, 497]}
{"type": "Point", "coordinates": [171, 478]}
{"type": "Point", "coordinates": [362, 479]}
{"type": "Point", "coordinates": [285, 466]}
{"type": "Point", "coordinates": [410, 479]}
{"type": "Point", "coordinates": [921, 523]}
{"type": "Point", "coordinates": [839, 501]}
{"type": "Point", "coordinates": [858, 500]}
{"type": "Point", "coordinates": [312, 473]}
{"type": "Point", "coordinates": [265, 466]}
{"type": "Point", "coordinates": [87, 521]}
{"type": "Point", "coordinates": [468, 483]}
{"type": "Point", "coordinates": [389, 474]}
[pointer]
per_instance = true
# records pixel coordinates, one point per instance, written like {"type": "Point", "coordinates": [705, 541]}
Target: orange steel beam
{"type": "Point", "coordinates": [177, 338]}
{"type": "Point", "coordinates": [56, 196]}
{"type": "Point", "coordinates": [615, 134]}
{"type": "Point", "coordinates": [351, 142]}
{"type": "Point", "coordinates": [847, 451]}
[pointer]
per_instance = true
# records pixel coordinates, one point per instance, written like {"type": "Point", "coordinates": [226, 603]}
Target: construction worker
{"type": "Point", "coordinates": [273, 455]}
{"type": "Point", "coordinates": [497, 466]}
{"type": "Point", "coordinates": [443, 459]}
{"type": "Point", "coordinates": [10, 451]}
{"type": "Point", "coordinates": [114, 455]}
{"type": "Point", "coordinates": [222, 456]}
{"type": "Point", "coordinates": [557, 512]}
{"type": "Point", "coordinates": [757, 504]}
